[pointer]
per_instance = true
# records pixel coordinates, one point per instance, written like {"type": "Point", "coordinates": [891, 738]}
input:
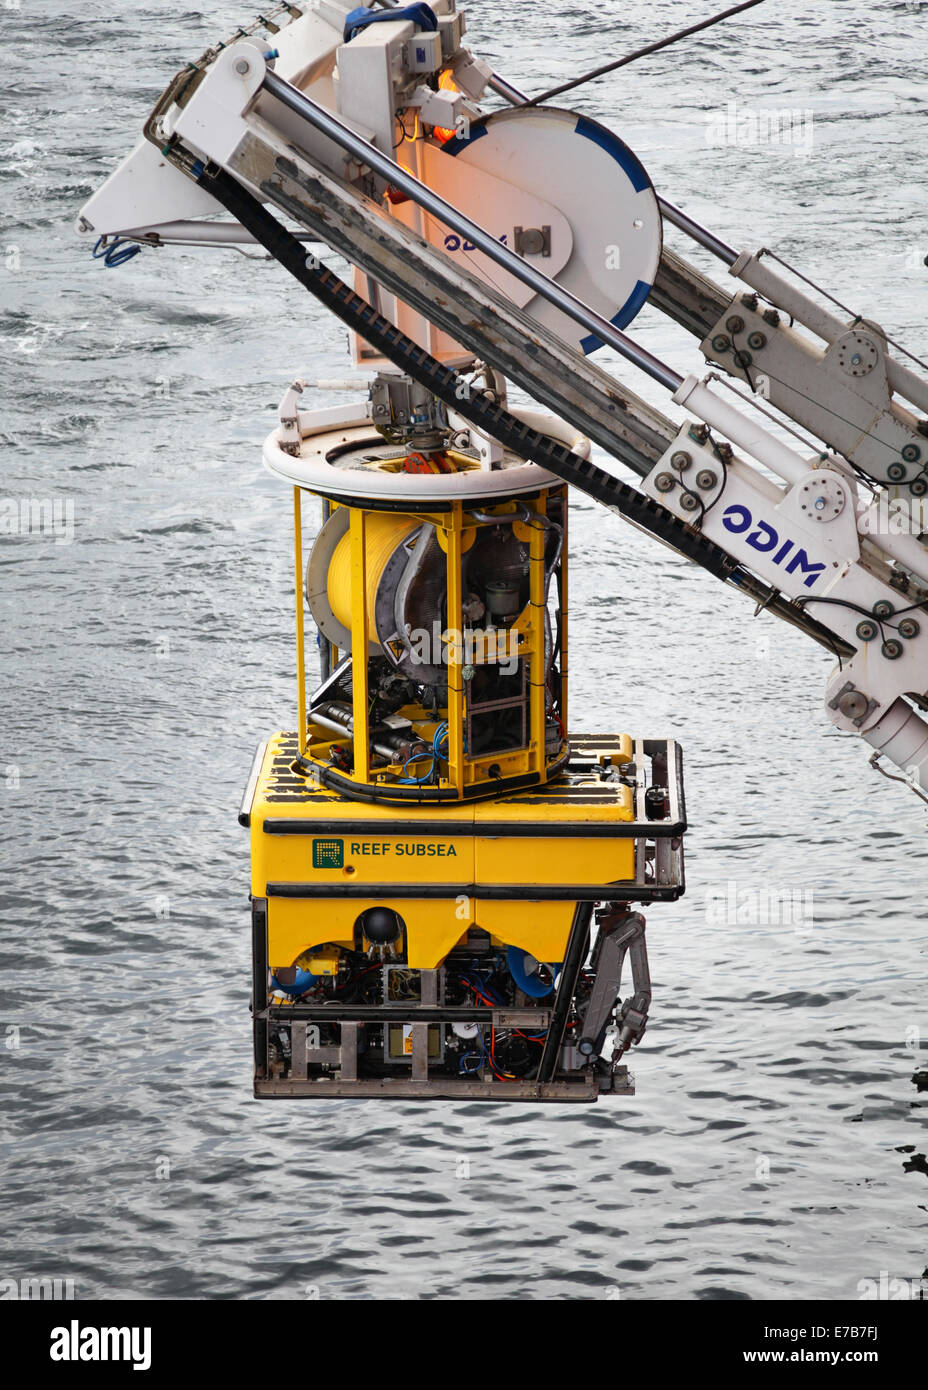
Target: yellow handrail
{"type": "Point", "coordinates": [300, 653]}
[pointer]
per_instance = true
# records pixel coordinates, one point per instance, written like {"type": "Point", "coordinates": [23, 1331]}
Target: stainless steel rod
{"type": "Point", "coordinates": [698, 232]}
{"type": "Point", "coordinates": [400, 178]}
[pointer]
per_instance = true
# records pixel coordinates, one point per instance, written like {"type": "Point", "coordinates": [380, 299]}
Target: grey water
{"type": "Point", "coordinates": [776, 1145]}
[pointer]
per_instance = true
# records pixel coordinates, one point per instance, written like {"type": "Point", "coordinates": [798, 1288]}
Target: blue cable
{"type": "Point", "coordinates": [417, 781]}
{"type": "Point", "coordinates": [477, 981]}
{"type": "Point", "coordinates": [117, 253]}
{"type": "Point", "coordinates": [440, 737]}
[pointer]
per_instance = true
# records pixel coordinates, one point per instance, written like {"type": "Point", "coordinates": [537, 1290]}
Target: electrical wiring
{"type": "Point", "coordinates": [115, 253]}
{"type": "Point", "coordinates": [439, 738]}
{"type": "Point", "coordinates": [418, 781]}
{"type": "Point", "coordinates": [485, 993]}
{"type": "Point", "coordinates": [723, 488]}
{"type": "Point", "coordinates": [881, 623]}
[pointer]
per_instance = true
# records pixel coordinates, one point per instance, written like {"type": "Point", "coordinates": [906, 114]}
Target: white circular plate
{"type": "Point", "coordinates": [543, 168]}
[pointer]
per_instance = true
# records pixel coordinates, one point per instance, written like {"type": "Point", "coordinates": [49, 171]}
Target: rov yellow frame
{"type": "Point", "coordinates": [456, 531]}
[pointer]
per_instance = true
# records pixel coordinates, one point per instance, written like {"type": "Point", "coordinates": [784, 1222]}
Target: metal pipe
{"type": "Point", "coordinates": [746, 433]}
{"type": "Point", "coordinates": [190, 233]}
{"type": "Point", "coordinates": [698, 232]}
{"type": "Point", "coordinates": [741, 430]}
{"type": "Point", "coordinates": [902, 379]}
{"type": "Point", "coordinates": [388, 169]}
{"type": "Point", "coordinates": [507, 91]}
{"type": "Point", "coordinates": [906, 547]}
{"type": "Point", "coordinates": [329, 715]}
{"type": "Point", "coordinates": [325, 646]}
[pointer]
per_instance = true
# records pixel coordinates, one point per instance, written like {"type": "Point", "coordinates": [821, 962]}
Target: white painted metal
{"type": "Point", "coordinates": [747, 432]}
{"type": "Point", "coordinates": [805, 541]}
{"type": "Point", "coordinates": [370, 75]}
{"type": "Point", "coordinates": [325, 431]}
{"type": "Point", "coordinates": [757, 273]}
{"type": "Point", "coordinates": [902, 737]}
{"type": "Point", "coordinates": [500, 206]}
{"type": "Point", "coordinates": [902, 545]}
{"type": "Point", "coordinates": [543, 168]}
{"type": "Point", "coordinates": [380, 164]}
{"type": "Point", "coordinates": [840, 392]}
{"type": "Point", "coordinates": [142, 192]}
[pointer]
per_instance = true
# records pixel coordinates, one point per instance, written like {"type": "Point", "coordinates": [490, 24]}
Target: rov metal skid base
{"type": "Point", "coordinates": [619, 802]}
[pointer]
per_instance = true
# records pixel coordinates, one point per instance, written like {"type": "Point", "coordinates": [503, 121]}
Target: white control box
{"type": "Point", "coordinates": [422, 53]}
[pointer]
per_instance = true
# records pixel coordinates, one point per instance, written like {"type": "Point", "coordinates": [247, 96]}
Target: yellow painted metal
{"type": "Point", "coordinates": [562, 579]}
{"type": "Point", "coordinates": [537, 860]}
{"type": "Point", "coordinates": [323, 961]}
{"type": "Point", "coordinates": [300, 635]}
{"type": "Point", "coordinates": [354, 575]}
{"type": "Point", "coordinates": [583, 799]}
{"type": "Point", "coordinates": [624, 751]}
{"type": "Point", "coordinates": [455, 652]}
{"type": "Point", "coordinates": [541, 928]}
{"type": "Point", "coordinates": [402, 847]}
{"type": "Point", "coordinates": [537, 658]}
{"type": "Point", "coordinates": [468, 537]}
{"type": "Point", "coordinates": [433, 928]}
{"type": "Point", "coordinates": [360, 637]}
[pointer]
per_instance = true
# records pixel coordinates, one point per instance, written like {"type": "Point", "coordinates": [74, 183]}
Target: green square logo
{"type": "Point", "coordinates": [328, 854]}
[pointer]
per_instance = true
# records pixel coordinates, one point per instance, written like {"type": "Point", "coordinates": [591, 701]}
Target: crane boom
{"type": "Point", "coordinates": [836, 551]}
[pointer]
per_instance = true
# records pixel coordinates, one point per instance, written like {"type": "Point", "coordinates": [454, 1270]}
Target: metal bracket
{"type": "Point", "coordinates": [853, 704]}
{"type": "Point", "coordinates": [532, 241]}
{"type": "Point", "coordinates": [621, 934]}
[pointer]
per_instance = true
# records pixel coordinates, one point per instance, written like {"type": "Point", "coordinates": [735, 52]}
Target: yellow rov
{"type": "Point", "coordinates": [442, 878]}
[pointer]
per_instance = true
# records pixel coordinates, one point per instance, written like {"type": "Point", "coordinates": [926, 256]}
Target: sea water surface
{"type": "Point", "coordinates": [776, 1145]}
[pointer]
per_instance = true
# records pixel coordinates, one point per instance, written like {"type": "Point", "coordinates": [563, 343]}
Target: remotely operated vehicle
{"type": "Point", "coordinates": [447, 879]}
